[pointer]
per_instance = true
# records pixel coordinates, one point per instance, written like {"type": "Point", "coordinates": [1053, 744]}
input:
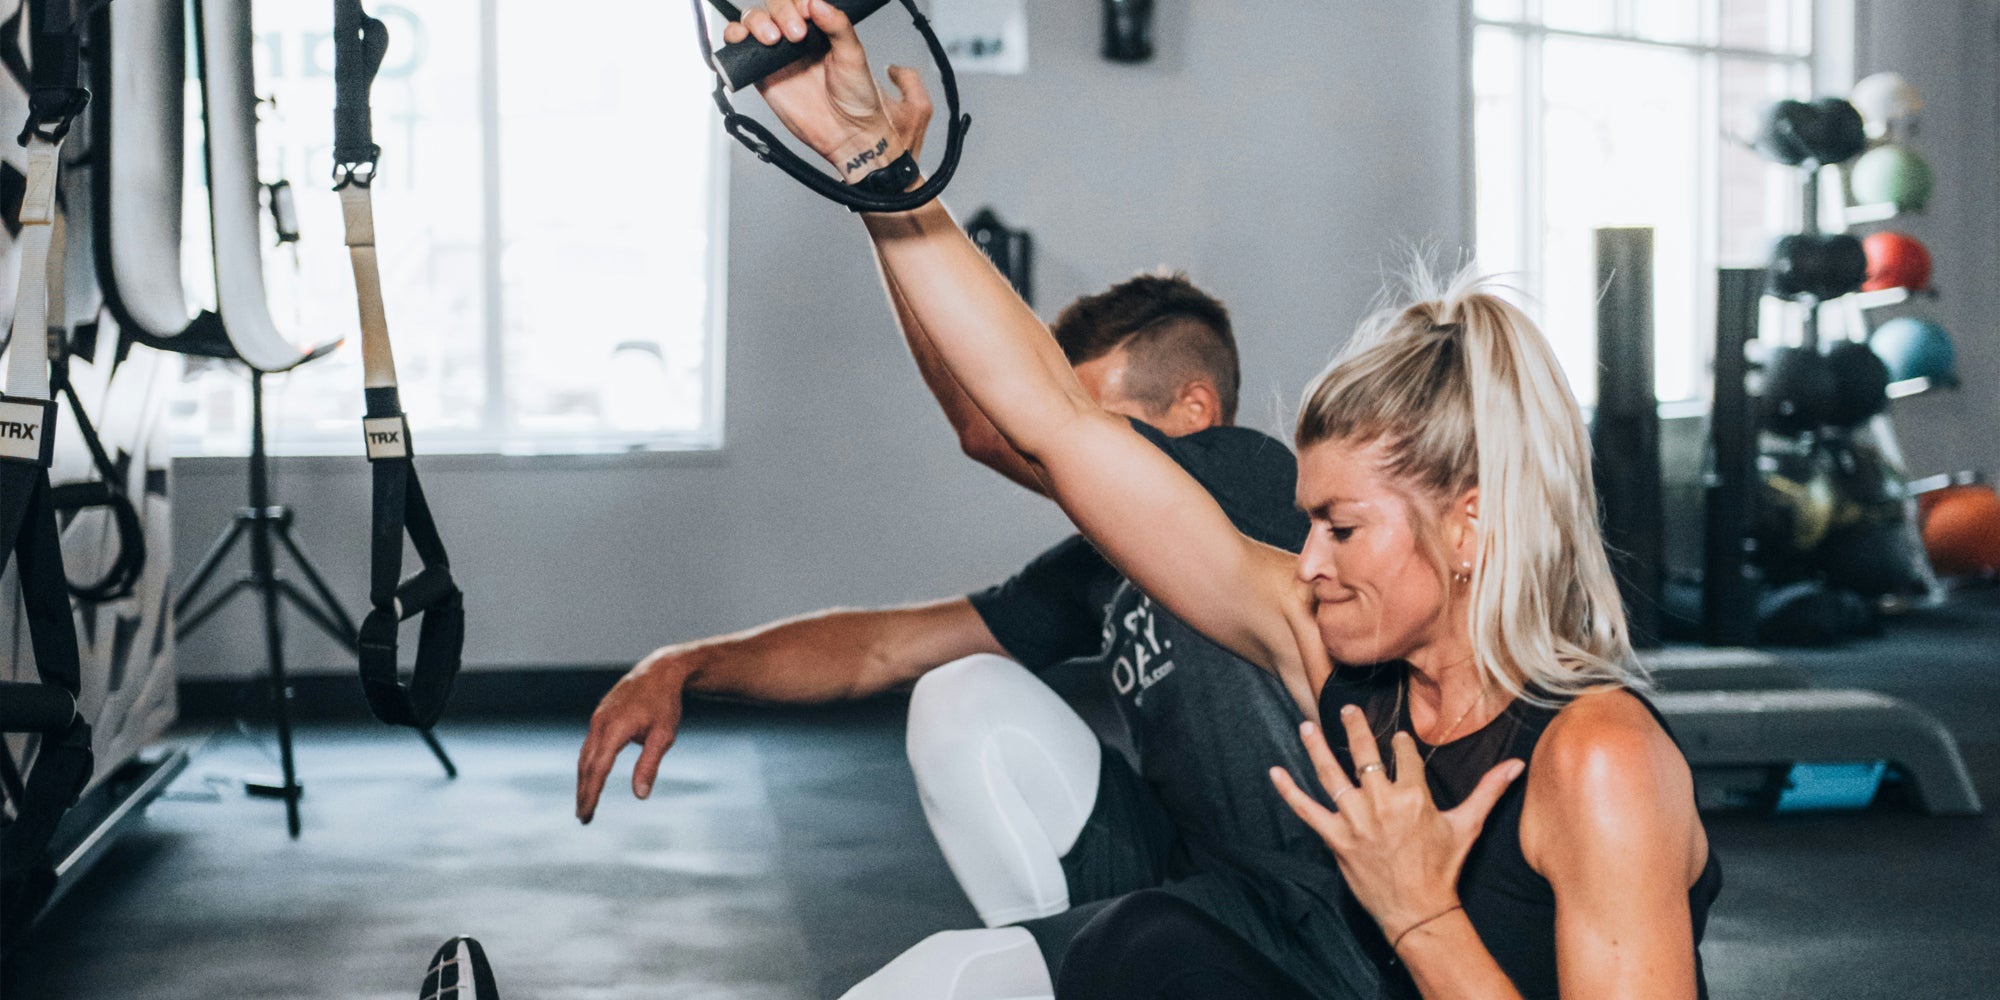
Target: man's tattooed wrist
{"type": "Point", "coordinates": [866, 161]}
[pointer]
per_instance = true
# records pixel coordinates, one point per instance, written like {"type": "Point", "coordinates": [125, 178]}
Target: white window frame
{"type": "Point", "coordinates": [497, 433]}
{"type": "Point", "coordinates": [1828, 63]}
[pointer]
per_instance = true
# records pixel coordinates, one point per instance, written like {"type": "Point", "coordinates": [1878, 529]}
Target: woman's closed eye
{"type": "Point", "coordinates": [1340, 532]}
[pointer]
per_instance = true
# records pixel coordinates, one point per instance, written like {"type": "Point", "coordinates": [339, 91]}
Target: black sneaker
{"type": "Point", "coordinates": [459, 971]}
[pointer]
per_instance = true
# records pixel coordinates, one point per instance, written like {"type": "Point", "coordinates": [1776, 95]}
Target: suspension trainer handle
{"type": "Point", "coordinates": [758, 60]}
{"type": "Point", "coordinates": [741, 64]}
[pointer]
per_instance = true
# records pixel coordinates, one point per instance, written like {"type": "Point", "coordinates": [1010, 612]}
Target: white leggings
{"type": "Point", "coordinates": [1008, 775]}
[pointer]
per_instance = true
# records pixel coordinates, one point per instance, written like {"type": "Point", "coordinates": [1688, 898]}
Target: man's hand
{"type": "Point", "coordinates": [910, 110]}
{"type": "Point", "coordinates": [644, 707]}
{"type": "Point", "coordinates": [829, 101]}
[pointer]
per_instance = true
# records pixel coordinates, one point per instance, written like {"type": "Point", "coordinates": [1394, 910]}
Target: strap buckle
{"type": "Point", "coordinates": [51, 111]}
{"type": "Point", "coordinates": [360, 174]}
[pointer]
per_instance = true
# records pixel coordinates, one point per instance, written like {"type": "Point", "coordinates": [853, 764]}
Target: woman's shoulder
{"type": "Point", "coordinates": [1606, 777]}
{"type": "Point", "coordinates": [1606, 746]}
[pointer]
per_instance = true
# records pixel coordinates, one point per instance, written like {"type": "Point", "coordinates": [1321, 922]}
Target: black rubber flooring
{"type": "Point", "coordinates": [784, 855]}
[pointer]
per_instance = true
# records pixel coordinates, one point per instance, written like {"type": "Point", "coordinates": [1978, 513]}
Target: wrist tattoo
{"type": "Point", "coordinates": [865, 157]}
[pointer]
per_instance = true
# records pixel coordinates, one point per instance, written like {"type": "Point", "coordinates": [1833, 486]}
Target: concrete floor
{"type": "Point", "coordinates": [784, 856]}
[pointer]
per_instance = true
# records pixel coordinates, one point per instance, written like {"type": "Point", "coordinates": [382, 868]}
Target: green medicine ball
{"type": "Point", "coordinates": [1892, 174]}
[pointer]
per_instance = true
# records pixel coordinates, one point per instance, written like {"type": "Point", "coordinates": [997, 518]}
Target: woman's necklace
{"type": "Point", "coordinates": [1404, 697]}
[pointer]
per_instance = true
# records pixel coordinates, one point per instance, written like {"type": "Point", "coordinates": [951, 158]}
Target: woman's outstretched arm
{"type": "Point", "coordinates": [1150, 518]}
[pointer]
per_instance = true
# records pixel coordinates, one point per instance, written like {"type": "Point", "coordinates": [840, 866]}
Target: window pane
{"type": "Point", "coordinates": [601, 333]}
{"type": "Point", "coordinates": [1668, 20]}
{"type": "Point", "coordinates": [606, 205]}
{"type": "Point", "coordinates": [1621, 148]}
{"type": "Point", "coordinates": [1578, 15]}
{"type": "Point", "coordinates": [1767, 25]}
{"type": "Point", "coordinates": [427, 221]}
{"type": "Point", "coordinates": [1500, 131]}
{"type": "Point", "coordinates": [1757, 199]}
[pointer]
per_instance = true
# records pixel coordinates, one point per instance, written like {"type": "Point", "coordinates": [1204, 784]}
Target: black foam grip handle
{"type": "Point", "coordinates": [748, 61]}
{"type": "Point", "coordinates": [35, 708]}
{"type": "Point", "coordinates": [425, 589]}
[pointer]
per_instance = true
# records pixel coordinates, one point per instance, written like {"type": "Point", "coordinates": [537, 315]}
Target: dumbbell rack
{"type": "Point", "coordinates": [1883, 428]}
{"type": "Point", "coordinates": [1881, 431]}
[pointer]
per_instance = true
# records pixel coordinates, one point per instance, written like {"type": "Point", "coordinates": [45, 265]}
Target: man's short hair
{"type": "Point", "coordinates": [1173, 332]}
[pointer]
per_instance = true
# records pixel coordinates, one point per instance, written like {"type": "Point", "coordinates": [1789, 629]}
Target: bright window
{"type": "Point", "coordinates": [550, 215]}
{"type": "Point", "coordinates": [1594, 113]}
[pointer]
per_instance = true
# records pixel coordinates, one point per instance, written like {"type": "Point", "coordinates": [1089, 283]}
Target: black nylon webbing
{"type": "Point", "coordinates": [29, 535]}
{"type": "Point", "coordinates": [399, 510]}
{"type": "Point", "coordinates": [360, 42]}
{"type": "Point", "coordinates": [63, 761]}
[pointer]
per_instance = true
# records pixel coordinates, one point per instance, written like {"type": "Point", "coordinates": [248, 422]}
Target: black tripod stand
{"type": "Point", "coordinates": [264, 522]}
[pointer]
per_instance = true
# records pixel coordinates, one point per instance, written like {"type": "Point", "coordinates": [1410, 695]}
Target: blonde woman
{"type": "Point", "coordinates": [1513, 818]}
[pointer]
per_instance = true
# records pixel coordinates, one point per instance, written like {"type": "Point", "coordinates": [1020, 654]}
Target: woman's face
{"type": "Point", "coordinates": [1376, 593]}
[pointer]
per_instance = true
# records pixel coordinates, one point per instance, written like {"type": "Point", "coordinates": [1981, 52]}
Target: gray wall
{"type": "Point", "coordinates": [1286, 193]}
{"type": "Point", "coordinates": [1950, 49]}
{"type": "Point", "coordinates": [1283, 168]}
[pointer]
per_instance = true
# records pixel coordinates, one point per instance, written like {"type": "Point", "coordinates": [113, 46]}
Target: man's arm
{"type": "Point", "coordinates": [828, 656]}
{"type": "Point", "coordinates": [977, 437]}
{"type": "Point", "coordinates": [910, 114]}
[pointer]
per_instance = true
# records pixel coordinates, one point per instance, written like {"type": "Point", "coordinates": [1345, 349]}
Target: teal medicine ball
{"type": "Point", "coordinates": [1916, 348]}
{"type": "Point", "coordinates": [1892, 174]}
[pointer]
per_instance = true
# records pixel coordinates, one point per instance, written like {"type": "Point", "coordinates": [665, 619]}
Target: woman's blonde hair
{"type": "Point", "coordinates": [1463, 390]}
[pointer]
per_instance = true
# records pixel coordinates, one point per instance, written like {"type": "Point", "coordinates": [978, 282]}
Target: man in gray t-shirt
{"type": "Point", "coordinates": [1181, 804]}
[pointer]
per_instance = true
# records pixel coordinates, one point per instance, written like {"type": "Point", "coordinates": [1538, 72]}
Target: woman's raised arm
{"type": "Point", "coordinates": [1147, 515]}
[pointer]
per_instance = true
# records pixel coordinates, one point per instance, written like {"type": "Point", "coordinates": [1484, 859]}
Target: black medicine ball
{"type": "Point", "coordinates": [1833, 132]}
{"type": "Point", "coordinates": [1860, 384]}
{"type": "Point", "coordinates": [1824, 266]}
{"type": "Point", "coordinates": [1778, 132]}
{"type": "Point", "coordinates": [1798, 391]}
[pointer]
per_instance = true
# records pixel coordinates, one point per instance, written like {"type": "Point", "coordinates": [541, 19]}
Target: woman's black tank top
{"type": "Point", "coordinates": [1511, 906]}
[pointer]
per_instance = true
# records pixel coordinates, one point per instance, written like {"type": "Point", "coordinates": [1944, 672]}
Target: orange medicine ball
{"type": "Point", "coordinates": [1962, 529]}
{"type": "Point", "coordinates": [1896, 260]}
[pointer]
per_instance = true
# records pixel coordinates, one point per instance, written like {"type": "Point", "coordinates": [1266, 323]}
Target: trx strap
{"type": "Point", "coordinates": [62, 761]}
{"type": "Point", "coordinates": [746, 62]}
{"type": "Point", "coordinates": [360, 42]}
